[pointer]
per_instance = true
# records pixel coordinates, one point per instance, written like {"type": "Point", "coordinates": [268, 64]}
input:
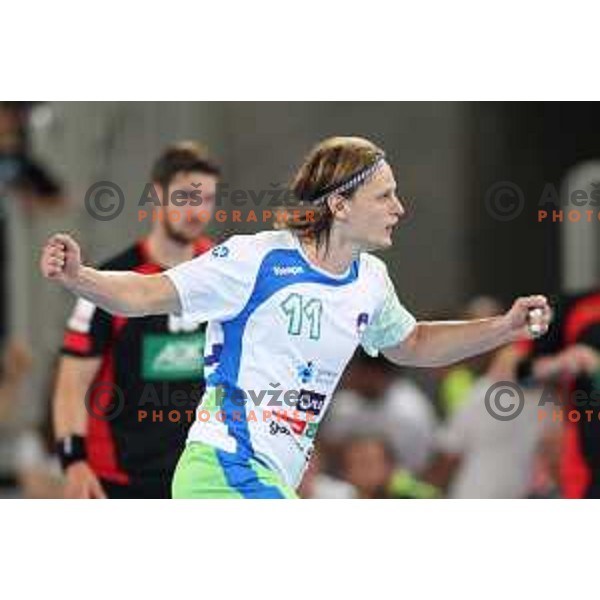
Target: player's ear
{"type": "Point", "coordinates": [338, 205]}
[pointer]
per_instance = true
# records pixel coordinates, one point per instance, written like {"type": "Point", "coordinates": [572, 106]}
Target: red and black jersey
{"type": "Point", "coordinates": [576, 320]}
{"type": "Point", "coordinates": [150, 381]}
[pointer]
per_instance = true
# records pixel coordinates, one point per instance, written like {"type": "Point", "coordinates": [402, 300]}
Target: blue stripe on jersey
{"type": "Point", "coordinates": [242, 477]}
{"type": "Point", "coordinates": [266, 284]}
{"type": "Point", "coordinates": [213, 358]}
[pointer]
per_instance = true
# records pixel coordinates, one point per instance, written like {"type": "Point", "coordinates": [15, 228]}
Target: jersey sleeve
{"type": "Point", "coordinates": [217, 285]}
{"type": "Point", "coordinates": [88, 330]}
{"type": "Point", "coordinates": [391, 324]}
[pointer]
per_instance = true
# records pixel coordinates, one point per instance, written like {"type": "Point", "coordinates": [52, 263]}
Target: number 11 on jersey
{"type": "Point", "coordinates": [297, 308]}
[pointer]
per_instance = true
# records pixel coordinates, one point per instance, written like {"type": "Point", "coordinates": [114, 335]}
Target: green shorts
{"type": "Point", "coordinates": [207, 472]}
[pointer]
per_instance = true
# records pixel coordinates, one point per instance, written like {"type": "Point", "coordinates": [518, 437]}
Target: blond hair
{"type": "Point", "coordinates": [331, 164]}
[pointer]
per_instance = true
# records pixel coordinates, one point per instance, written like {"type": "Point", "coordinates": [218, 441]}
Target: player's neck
{"type": "Point", "coordinates": [335, 257]}
{"type": "Point", "coordinates": [168, 252]}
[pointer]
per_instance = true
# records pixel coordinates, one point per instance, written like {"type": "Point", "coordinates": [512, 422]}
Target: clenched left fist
{"type": "Point", "coordinates": [529, 317]}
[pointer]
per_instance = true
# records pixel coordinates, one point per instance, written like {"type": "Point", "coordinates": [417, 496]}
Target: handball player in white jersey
{"type": "Point", "coordinates": [286, 309]}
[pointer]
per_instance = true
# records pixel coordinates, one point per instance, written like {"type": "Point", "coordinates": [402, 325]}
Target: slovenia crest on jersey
{"type": "Point", "coordinates": [362, 322]}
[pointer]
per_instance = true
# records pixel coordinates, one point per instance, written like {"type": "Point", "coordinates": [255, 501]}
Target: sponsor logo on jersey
{"type": "Point", "coordinates": [296, 425]}
{"type": "Point", "coordinates": [311, 430]}
{"type": "Point", "coordinates": [325, 377]}
{"type": "Point", "coordinates": [311, 402]}
{"type": "Point", "coordinates": [292, 270]}
{"type": "Point", "coordinates": [310, 373]}
{"type": "Point", "coordinates": [306, 372]}
{"type": "Point", "coordinates": [276, 429]}
{"type": "Point", "coordinates": [173, 357]}
{"type": "Point", "coordinates": [220, 251]}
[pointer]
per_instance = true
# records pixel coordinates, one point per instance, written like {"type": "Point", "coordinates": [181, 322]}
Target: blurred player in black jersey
{"type": "Point", "coordinates": [568, 358]}
{"type": "Point", "coordinates": [127, 388]}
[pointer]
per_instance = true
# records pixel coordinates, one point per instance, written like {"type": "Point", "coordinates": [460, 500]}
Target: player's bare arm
{"type": "Point", "coordinates": [75, 375]}
{"type": "Point", "coordinates": [434, 344]}
{"type": "Point", "coordinates": [123, 293]}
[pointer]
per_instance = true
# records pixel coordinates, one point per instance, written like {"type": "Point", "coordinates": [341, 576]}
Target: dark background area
{"type": "Point", "coordinates": [530, 144]}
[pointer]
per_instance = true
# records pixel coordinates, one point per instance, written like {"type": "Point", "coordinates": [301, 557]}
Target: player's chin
{"type": "Point", "coordinates": [376, 244]}
{"type": "Point", "coordinates": [193, 232]}
{"type": "Point", "coordinates": [384, 241]}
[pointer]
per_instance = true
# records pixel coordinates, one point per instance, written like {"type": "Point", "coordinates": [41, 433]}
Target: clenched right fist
{"type": "Point", "coordinates": [61, 259]}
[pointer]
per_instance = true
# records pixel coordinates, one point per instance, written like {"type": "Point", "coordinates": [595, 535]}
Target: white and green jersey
{"type": "Point", "coordinates": [280, 333]}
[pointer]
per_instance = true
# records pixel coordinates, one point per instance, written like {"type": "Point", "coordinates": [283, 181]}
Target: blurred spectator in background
{"type": "Point", "coordinates": [37, 466]}
{"type": "Point", "coordinates": [480, 456]}
{"type": "Point", "coordinates": [28, 191]}
{"type": "Point", "coordinates": [367, 463]}
{"type": "Point", "coordinates": [20, 174]}
{"type": "Point", "coordinates": [456, 382]}
{"type": "Point", "coordinates": [38, 469]}
{"type": "Point", "coordinates": [30, 469]}
{"type": "Point", "coordinates": [16, 364]}
{"type": "Point", "coordinates": [376, 399]}
{"type": "Point", "coordinates": [25, 185]}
